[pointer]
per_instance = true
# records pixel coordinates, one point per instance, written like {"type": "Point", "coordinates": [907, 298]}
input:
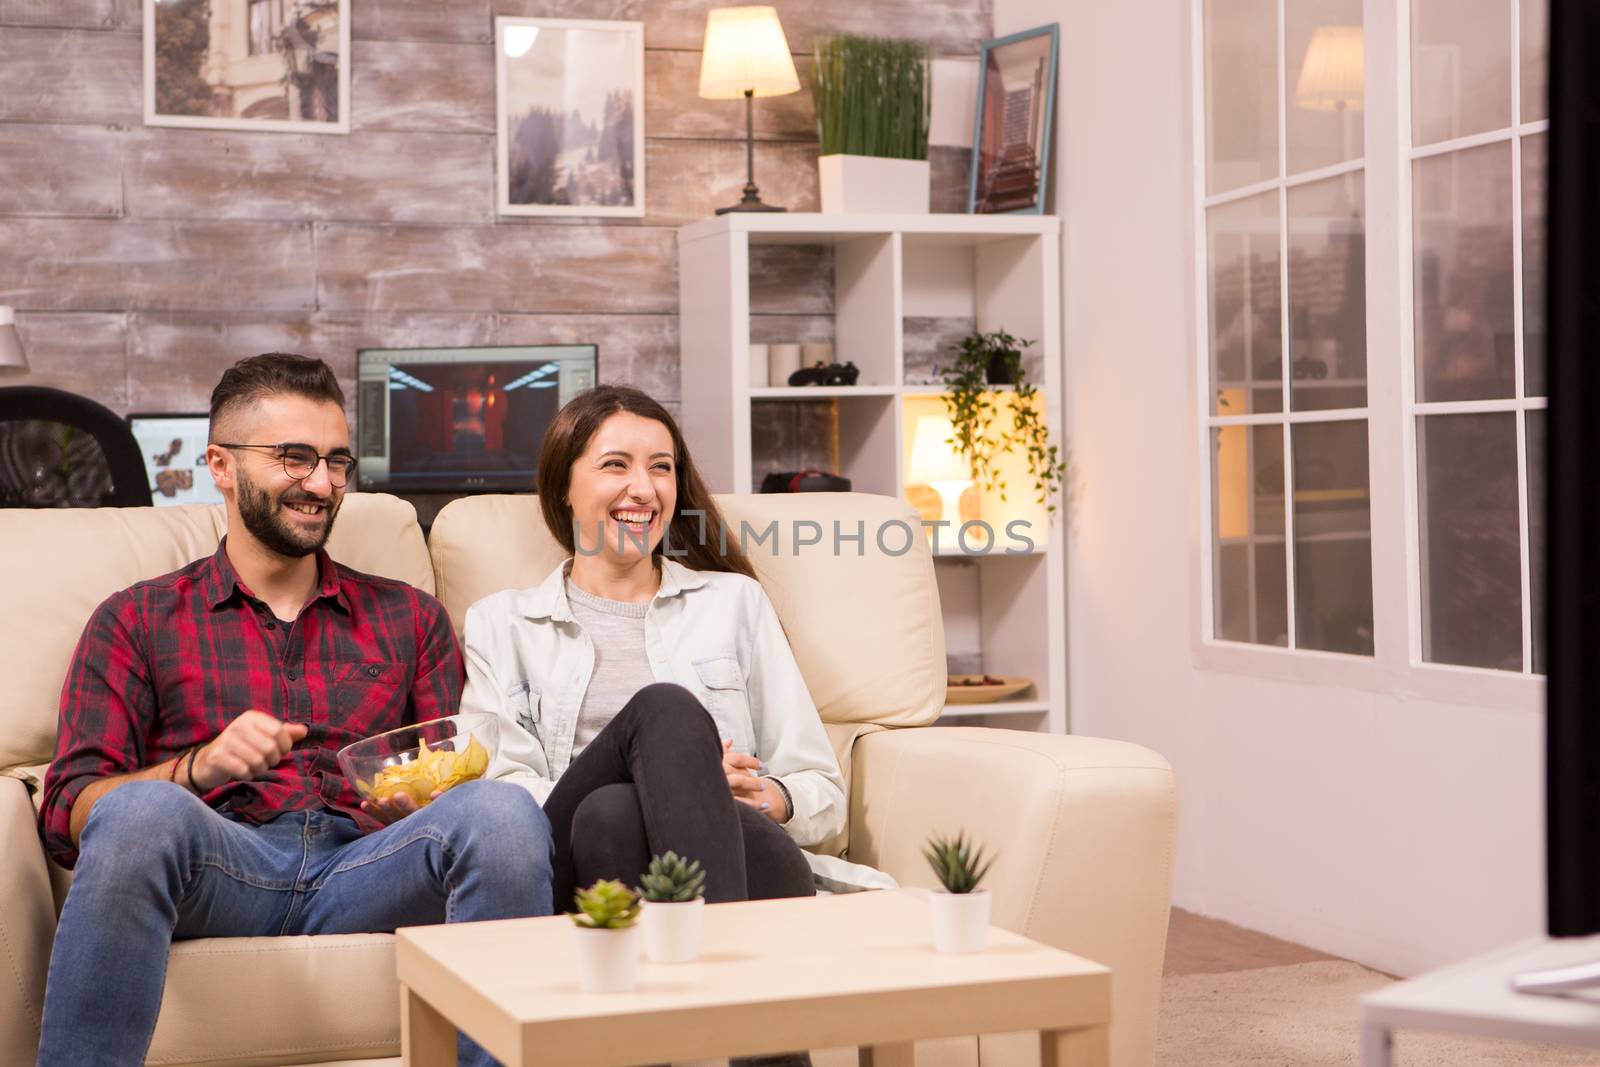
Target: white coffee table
{"type": "Point", "coordinates": [773, 976]}
{"type": "Point", "coordinates": [1475, 997]}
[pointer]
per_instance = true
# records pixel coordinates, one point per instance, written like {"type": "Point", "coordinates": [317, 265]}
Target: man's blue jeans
{"type": "Point", "coordinates": [155, 864]}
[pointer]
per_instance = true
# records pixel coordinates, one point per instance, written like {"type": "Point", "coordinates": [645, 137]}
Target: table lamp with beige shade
{"type": "Point", "coordinates": [936, 463]}
{"type": "Point", "coordinates": [1332, 76]}
{"type": "Point", "coordinates": [746, 55]}
{"type": "Point", "coordinates": [12, 359]}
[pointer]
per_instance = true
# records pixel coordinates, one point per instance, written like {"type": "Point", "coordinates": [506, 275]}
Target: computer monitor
{"type": "Point", "coordinates": [461, 419]}
{"type": "Point", "coordinates": [173, 447]}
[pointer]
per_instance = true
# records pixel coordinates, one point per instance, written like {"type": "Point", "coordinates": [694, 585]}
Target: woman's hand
{"type": "Point", "coordinates": [749, 788]}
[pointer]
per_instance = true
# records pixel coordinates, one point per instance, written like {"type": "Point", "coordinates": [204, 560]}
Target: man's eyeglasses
{"type": "Point", "coordinates": [300, 460]}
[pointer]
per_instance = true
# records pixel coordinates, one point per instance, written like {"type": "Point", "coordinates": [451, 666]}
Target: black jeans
{"type": "Point", "coordinates": [652, 781]}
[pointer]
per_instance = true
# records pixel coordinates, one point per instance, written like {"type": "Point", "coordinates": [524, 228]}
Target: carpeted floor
{"type": "Point", "coordinates": [1304, 1015]}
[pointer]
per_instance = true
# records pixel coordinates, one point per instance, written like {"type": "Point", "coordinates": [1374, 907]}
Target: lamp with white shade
{"type": "Point", "coordinates": [12, 359]}
{"type": "Point", "coordinates": [937, 463]}
{"type": "Point", "coordinates": [1331, 78]}
{"type": "Point", "coordinates": [746, 55]}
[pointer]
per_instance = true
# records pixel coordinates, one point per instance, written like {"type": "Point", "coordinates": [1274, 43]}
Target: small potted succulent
{"type": "Point", "coordinates": [608, 939]}
{"type": "Point", "coordinates": [674, 899]}
{"type": "Point", "coordinates": [961, 911]}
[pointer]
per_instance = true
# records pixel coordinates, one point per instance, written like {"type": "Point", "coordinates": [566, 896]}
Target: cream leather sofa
{"type": "Point", "coordinates": [1083, 827]}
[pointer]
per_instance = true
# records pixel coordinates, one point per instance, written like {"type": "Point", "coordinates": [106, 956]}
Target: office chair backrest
{"type": "Point", "coordinates": [58, 449]}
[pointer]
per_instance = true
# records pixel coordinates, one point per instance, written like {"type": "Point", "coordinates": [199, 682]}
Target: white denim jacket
{"type": "Point", "coordinates": [713, 633]}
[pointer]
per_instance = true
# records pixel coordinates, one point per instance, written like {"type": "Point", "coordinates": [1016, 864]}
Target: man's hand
{"type": "Point", "coordinates": [396, 807]}
{"type": "Point", "coordinates": [248, 747]}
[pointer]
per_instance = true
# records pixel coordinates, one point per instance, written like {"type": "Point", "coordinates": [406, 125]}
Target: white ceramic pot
{"type": "Point", "coordinates": [857, 185]}
{"type": "Point", "coordinates": [960, 920]}
{"type": "Point", "coordinates": [608, 960]}
{"type": "Point", "coordinates": [672, 931]}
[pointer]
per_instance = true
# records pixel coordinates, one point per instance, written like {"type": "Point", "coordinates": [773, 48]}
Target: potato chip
{"type": "Point", "coordinates": [433, 770]}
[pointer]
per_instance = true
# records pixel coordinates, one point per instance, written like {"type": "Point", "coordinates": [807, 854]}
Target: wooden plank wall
{"type": "Point", "coordinates": [143, 261]}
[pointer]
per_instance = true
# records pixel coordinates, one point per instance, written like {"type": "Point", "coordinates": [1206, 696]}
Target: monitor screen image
{"type": "Point", "coordinates": [174, 451]}
{"type": "Point", "coordinates": [452, 420]}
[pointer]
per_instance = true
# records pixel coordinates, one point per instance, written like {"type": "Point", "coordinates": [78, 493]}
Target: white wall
{"type": "Point", "coordinates": [1399, 832]}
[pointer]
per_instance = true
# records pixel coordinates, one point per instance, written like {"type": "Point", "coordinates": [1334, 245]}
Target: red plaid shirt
{"type": "Point", "coordinates": [170, 662]}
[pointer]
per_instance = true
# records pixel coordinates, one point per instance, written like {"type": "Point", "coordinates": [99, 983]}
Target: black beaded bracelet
{"type": "Point", "coordinates": [188, 771]}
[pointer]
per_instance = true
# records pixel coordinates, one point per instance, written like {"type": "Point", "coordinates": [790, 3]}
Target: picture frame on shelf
{"type": "Point", "coordinates": [569, 117]}
{"type": "Point", "coordinates": [1015, 120]}
{"type": "Point", "coordinates": [267, 65]}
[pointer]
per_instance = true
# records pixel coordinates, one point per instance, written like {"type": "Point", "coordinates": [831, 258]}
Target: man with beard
{"type": "Point", "coordinates": [194, 785]}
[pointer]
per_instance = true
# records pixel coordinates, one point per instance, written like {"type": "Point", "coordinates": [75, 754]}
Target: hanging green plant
{"type": "Point", "coordinates": [984, 360]}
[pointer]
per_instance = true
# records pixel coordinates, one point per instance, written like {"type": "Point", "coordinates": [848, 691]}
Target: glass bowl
{"type": "Point", "coordinates": [422, 759]}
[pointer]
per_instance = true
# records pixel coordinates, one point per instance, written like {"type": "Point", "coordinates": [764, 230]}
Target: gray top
{"type": "Point", "coordinates": [621, 665]}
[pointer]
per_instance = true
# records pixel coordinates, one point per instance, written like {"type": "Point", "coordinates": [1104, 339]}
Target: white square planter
{"type": "Point", "coordinates": [859, 185]}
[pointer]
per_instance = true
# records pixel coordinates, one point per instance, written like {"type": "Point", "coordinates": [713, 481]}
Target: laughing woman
{"type": "Point", "coordinates": [651, 704]}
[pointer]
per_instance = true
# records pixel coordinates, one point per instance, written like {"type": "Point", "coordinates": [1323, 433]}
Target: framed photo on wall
{"type": "Point", "coordinates": [174, 452]}
{"type": "Point", "coordinates": [248, 64]}
{"type": "Point", "coordinates": [1016, 114]}
{"type": "Point", "coordinates": [569, 98]}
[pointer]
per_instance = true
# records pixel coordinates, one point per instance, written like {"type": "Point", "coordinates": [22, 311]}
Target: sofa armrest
{"type": "Point", "coordinates": [1083, 831]}
{"type": "Point", "coordinates": [27, 923]}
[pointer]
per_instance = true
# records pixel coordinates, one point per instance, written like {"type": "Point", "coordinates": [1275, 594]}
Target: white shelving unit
{"type": "Point", "coordinates": [1006, 611]}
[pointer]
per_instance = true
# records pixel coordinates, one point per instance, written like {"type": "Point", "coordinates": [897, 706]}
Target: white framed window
{"type": "Point", "coordinates": [1283, 217]}
{"type": "Point", "coordinates": [1475, 401]}
{"type": "Point", "coordinates": [1371, 396]}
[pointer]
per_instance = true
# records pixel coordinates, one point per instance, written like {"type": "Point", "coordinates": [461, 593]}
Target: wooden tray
{"type": "Point", "coordinates": [984, 694]}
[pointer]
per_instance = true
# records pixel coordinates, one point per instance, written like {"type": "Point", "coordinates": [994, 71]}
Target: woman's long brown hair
{"type": "Point", "coordinates": [708, 547]}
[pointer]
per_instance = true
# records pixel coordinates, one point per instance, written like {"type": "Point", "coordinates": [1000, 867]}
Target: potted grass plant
{"type": "Point", "coordinates": [674, 899]}
{"type": "Point", "coordinates": [608, 939]}
{"type": "Point", "coordinates": [961, 909]}
{"type": "Point", "coordinates": [873, 98]}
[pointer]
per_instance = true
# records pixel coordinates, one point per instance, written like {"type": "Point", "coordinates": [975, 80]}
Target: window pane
{"type": "Point", "coordinates": [1241, 92]}
{"type": "Point", "coordinates": [1332, 538]}
{"type": "Point", "coordinates": [1460, 68]}
{"type": "Point", "coordinates": [1471, 563]}
{"type": "Point", "coordinates": [1328, 295]}
{"type": "Point", "coordinates": [1534, 213]}
{"type": "Point", "coordinates": [1246, 306]}
{"type": "Point", "coordinates": [1535, 60]}
{"type": "Point", "coordinates": [1463, 275]}
{"type": "Point", "coordinates": [1324, 86]}
{"type": "Point", "coordinates": [1251, 589]}
{"type": "Point", "coordinates": [1536, 533]}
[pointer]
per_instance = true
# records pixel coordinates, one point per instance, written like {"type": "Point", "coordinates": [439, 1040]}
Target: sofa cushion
{"type": "Point", "coordinates": [310, 998]}
{"type": "Point", "coordinates": [863, 618]}
{"type": "Point", "coordinates": [58, 565]}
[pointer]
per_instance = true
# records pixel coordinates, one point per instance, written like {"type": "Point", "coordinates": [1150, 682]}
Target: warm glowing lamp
{"type": "Point", "coordinates": [12, 358]}
{"type": "Point", "coordinates": [746, 55]}
{"type": "Point", "coordinates": [936, 462]}
{"type": "Point", "coordinates": [1331, 76]}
